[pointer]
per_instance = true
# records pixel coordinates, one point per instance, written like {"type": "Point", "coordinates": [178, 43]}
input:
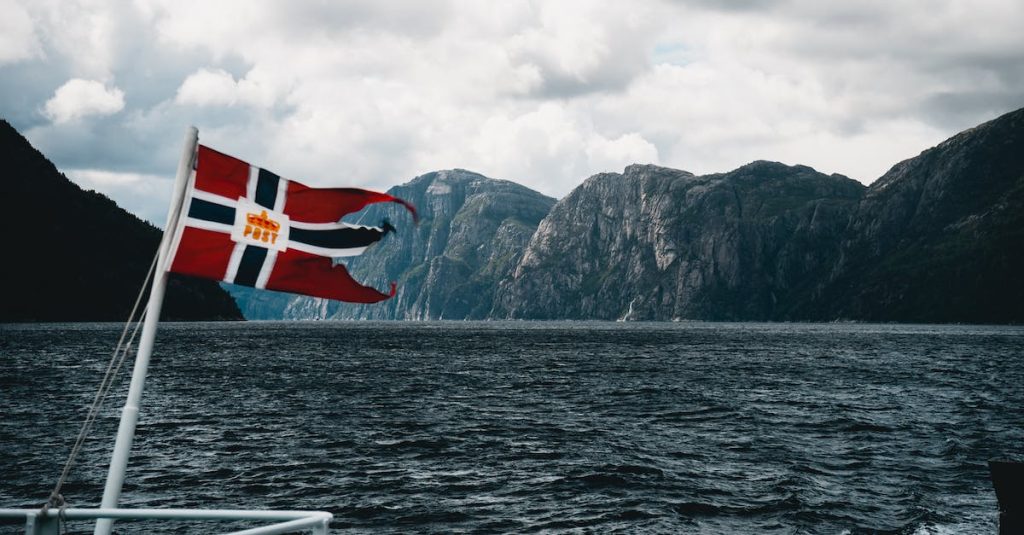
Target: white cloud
{"type": "Point", "coordinates": [18, 39]}
{"type": "Point", "coordinates": [614, 154]}
{"type": "Point", "coordinates": [217, 87]}
{"type": "Point", "coordinates": [208, 88]}
{"type": "Point", "coordinates": [481, 89]}
{"type": "Point", "coordinates": [89, 34]}
{"type": "Point", "coordinates": [371, 93]}
{"type": "Point", "coordinates": [79, 98]}
{"type": "Point", "coordinates": [550, 148]}
{"type": "Point", "coordinates": [585, 46]}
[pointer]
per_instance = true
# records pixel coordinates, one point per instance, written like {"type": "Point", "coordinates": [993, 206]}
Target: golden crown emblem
{"type": "Point", "coordinates": [263, 221]}
{"type": "Point", "coordinates": [261, 227]}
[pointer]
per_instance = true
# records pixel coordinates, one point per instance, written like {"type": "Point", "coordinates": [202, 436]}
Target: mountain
{"type": "Point", "coordinates": [471, 234]}
{"type": "Point", "coordinates": [938, 238]}
{"type": "Point", "coordinates": [657, 244]}
{"type": "Point", "coordinates": [74, 255]}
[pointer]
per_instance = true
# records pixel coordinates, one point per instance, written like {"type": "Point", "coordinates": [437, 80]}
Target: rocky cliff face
{"type": "Point", "coordinates": [74, 255]}
{"type": "Point", "coordinates": [939, 238]}
{"type": "Point", "coordinates": [660, 244]}
{"type": "Point", "coordinates": [471, 234]}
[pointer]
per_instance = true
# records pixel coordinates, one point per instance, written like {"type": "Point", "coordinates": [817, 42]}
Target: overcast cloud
{"type": "Point", "coordinates": [372, 93]}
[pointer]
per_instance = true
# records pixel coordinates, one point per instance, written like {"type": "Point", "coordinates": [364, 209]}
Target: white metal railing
{"type": "Point", "coordinates": [40, 522]}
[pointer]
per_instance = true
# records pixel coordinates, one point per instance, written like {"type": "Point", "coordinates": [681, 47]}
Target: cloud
{"type": "Point", "coordinates": [376, 106]}
{"type": "Point", "coordinates": [79, 98]}
{"type": "Point", "coordinates": [370, 93]}
{"type": "Point", "coordinates": [18, 40]}
{"type": "Point", "coordinates": [206, 87]}
{"type": "Point", "coordinates": [85, 33]}
{"type": "Point", "coordinates": [614, 154]}
{"type": "Point", "coordinates": [849, 88]}
{"type": "Point", "coordinates": [549, 148]}
{"type": "Point", "coordinates": [582, 48]}
{"type": "Point", "coordinates": [217, 87]}
{"type": "Point", "coordinates": [877, 59]}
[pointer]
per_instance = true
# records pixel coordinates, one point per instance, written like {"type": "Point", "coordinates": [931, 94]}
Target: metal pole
{"type": "Point", "coordinates": [130, 412]}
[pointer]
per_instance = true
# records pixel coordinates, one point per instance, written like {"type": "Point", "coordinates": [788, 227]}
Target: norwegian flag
{"type": "Point", "coordinates": [245, 225]}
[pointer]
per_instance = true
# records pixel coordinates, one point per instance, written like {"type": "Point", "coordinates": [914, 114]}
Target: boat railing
{"type": "Point", "coordinates": [47, 521]}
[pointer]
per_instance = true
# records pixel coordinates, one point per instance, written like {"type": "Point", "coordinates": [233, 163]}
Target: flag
{"type": "Point", "coordinates": [245, 225]}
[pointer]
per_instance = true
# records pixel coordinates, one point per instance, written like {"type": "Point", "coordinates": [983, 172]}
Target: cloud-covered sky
{"type": "Point", "coordinates": [371, 93]}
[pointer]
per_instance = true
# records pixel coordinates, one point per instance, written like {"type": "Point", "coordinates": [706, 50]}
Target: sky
{"type": "Point", "coordinates": [371, 93]}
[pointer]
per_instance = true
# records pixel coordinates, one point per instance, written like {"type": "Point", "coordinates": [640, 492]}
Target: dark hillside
{"type": "Point", "coordinates": [74, 255]}
{"type": "Point", "coordinates": [940, 237]}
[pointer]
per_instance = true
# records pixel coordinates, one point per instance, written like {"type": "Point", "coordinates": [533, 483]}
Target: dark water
{"type": "Point", "coordinates": [525, 427]}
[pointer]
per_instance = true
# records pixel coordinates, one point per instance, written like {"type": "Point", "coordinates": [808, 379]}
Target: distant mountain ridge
{"type": "Point", "coordinates": [659, 244]}
{"type": "Point", "coordinates": [938, 238]}
{"type": "Point", "coordinates": [77, 256]}
{"type": "Point", "coordinates": [472, 232]}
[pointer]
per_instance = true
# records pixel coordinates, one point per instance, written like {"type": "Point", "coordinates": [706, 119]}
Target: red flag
{"type": "Point", "coordinates": [245, 225]}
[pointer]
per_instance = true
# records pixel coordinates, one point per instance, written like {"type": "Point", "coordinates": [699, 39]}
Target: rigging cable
{"type": "Point", "coordinates": [113, 368]}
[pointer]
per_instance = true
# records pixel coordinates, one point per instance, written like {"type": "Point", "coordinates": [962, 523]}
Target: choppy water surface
{"type": "Point", "coordinates": [522, 427]}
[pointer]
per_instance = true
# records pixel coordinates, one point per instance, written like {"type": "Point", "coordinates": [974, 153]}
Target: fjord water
{"type": "Point", "coordinates": [522, 427]}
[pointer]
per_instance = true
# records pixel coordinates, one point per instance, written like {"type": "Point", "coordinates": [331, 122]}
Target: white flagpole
{"type": "Point", "coordinates": [130, 412]}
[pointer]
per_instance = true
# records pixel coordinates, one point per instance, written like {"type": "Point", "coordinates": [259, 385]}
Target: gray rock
{"type": "Point", "coordinates": [660, 244]}
{"type": "Point", "coordinates": [938, 238]}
